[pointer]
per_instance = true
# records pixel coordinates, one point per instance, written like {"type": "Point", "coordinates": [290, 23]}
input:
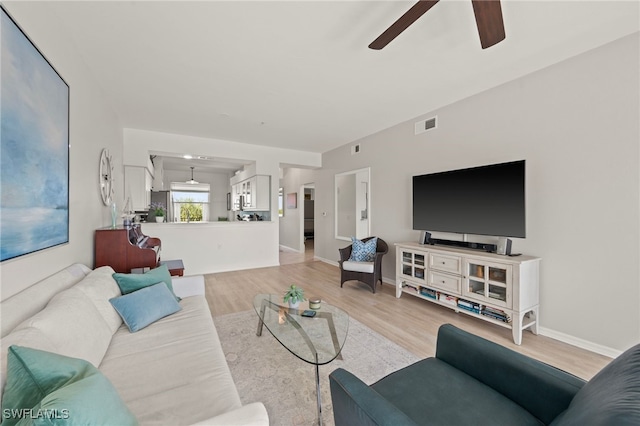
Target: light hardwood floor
{"type": "Point", "coordinates": [408, 321]}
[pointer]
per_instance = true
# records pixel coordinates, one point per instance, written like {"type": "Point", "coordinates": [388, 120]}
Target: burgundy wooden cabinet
{"type": "Point", "coordinates": [125, 248]}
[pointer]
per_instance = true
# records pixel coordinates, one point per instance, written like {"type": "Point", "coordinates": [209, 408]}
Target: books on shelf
{"type": "Point", "coordinates": [469, 306]}
{"type": "Point", "coordinates": [429, 293]}
{"type": "Point", "coordinates": [449, 300]}
{"type": "Point", "coordinates": [496, 314]}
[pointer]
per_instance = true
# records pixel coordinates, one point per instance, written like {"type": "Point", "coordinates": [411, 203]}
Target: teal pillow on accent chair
{"type": "Point", "coordinates": [129, 283]}
{"type": "Point", "coordinates": [45, 388]}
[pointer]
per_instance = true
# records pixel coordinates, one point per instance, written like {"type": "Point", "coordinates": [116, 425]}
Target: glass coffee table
{"type": "Point", "coordinates": [317, 340]}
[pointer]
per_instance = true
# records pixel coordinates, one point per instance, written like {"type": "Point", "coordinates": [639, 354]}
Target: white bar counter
{"type": "Point", "coordinates": [208, 247]}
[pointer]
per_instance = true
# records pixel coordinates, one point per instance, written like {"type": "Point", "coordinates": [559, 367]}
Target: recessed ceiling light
{"type": "Point", "coordinates": [187, 156]}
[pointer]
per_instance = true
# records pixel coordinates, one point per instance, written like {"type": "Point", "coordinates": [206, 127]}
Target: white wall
{"type": "Point", "coordinates": [213, 247]}
{"type": "Point", "coordinates": [577, 125]}
{"type": "Point", "coordinates": [93, 126]}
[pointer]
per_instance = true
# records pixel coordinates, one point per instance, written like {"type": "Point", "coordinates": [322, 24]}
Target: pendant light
{"type": "Point", "coordinates": [193, 182]}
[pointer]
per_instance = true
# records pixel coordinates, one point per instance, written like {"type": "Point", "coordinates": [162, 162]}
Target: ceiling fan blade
{"type": "Point", "coordinates": [410, 16]}
{"type": "Point", "coordinates": [489, 21]}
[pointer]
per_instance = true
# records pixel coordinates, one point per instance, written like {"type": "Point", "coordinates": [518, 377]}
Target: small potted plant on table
{"type": "Point", "coordinates": [294, 296]}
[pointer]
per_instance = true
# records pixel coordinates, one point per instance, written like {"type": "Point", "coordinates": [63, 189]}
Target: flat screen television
{"type": "Point", "coordinates": [485, 200]}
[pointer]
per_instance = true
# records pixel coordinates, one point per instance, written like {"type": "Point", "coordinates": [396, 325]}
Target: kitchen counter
{"type": "Point", "coordinates": [216, 222]}
{"type": "Point", "coordinates": [209, 247]}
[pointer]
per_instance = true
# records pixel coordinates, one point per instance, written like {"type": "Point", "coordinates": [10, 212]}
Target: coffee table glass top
{"type": "Point", "coordinates": [316, 340]}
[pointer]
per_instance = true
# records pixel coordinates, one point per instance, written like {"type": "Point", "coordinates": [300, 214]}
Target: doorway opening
{"type": "Point", "coordinates": [308, 219]}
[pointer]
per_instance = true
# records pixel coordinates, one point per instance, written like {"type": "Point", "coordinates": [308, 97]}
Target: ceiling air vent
{"type": "Point", "coordinates": [424, 125]}
{"type": "Point", "coordinates": [355, 149]}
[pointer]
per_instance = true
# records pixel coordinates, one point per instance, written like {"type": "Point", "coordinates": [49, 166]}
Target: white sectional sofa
{"type": "Point", "coordinates": [171, 372]}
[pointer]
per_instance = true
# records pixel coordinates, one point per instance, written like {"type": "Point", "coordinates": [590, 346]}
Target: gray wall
{"type": "Point", "coordinates": [576, 124]}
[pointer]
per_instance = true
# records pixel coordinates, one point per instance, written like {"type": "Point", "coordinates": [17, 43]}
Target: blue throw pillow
{"type": "Point", "coordinates": [145, 306]}
{"type": "Point", "coordinates": [363, 252]}
{"type": "Point", "coordinates": [129, 283]}
{"type": "Point", "coordinates": [47, 388]}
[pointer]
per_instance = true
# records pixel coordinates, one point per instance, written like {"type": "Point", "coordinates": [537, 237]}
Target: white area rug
{"type": "Point", "coordinates": [265, 371]}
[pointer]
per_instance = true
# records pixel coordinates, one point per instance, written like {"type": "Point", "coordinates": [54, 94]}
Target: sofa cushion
{"type": "Point", "coordinates": [99, 286]}
{"type": "Point", "coordinates": [363, 251]}
{"type": "Point", "coordinates": [448, 396]}
{"type": "Point", "coordinates": [611, 397]}
{"type": "Point", "coordinates": [32, 300]}
{"type": "Point", "coordinates": [366, 267]}
{"type": "Point", "coordinates": [73, 325]}
{"type": "Point", "coordinates": [192, 285]}
{"type": "Point", "coordinates": [70, 389]}
{"type": "Point", "coordinates": [129, 283]}
{"type": "Point", "coordinates": [174, 371]}
{"type": "Point", "coordinates": [145, 306]}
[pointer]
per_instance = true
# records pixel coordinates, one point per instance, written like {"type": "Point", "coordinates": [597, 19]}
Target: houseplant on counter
{"type": "Point", "coordinates": [294, 296]}
{"type": "Point", "coordinates": [158, 211]}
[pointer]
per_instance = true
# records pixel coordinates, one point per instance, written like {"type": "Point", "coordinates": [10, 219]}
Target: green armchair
{"type": "Point", "coordinates": [474, 381]}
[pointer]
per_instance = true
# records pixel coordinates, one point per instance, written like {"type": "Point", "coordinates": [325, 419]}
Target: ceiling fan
{"type": "Point", "coordinates": [488, 15]}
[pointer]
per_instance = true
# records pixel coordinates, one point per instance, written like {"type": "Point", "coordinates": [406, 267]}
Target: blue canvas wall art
{"type": "Point", "coordinates": [34, 147]}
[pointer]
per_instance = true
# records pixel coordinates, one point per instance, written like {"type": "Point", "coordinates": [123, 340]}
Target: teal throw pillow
{"type": "Point", "coordinates": [146, 306]}
{"type": "Point", "coordinates": [44, 388]}
{"type": "Point", "coordinates": [363, 251]}
{"type": "Point", "coordinates": [129, 283]}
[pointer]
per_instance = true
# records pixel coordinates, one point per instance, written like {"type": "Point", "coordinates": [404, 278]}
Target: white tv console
{"type": "Point", "coordinates": [483, 285]}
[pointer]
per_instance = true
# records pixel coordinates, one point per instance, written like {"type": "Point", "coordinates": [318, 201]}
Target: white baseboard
{"type": "Point", "coordinates": [285, 248]}
{"type": "Point", "coordinates": [330, 262]}
{"type": "Point", "coordinates": [580, 343]}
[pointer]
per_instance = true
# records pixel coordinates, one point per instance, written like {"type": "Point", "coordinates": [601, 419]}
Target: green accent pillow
{"type": "Point", "coordinates": [129, 283]}
{"type": "Point", "coordinates": [47, 388]}
{"type": "Point", "coordinates": [145, 306]}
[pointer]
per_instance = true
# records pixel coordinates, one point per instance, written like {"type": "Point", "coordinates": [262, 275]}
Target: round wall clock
{"type": "Point", "coordinates": [106, 177]}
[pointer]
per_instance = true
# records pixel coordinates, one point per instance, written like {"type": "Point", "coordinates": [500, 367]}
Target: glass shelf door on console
{"type": "Point", "coordinates": [488, 282]}
{"type": "Point", "coordinates": [413, 265]}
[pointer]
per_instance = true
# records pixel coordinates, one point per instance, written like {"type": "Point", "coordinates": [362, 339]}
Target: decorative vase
{"type": "Point", "coordinates": [159, 219]}
{"type": "Point", "coordinates": [293, 305]}
{"type": "Point", "coordinates": [114, 215]}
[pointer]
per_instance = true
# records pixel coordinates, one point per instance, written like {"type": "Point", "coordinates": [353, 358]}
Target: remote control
{"type": "Point", "coordinates": [308, 313]}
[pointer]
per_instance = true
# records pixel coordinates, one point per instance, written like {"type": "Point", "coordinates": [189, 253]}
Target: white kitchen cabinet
{"type": "Point", "coordinates": [138, 182]}
{"type": "Point", "coordinates": [252, 194]}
